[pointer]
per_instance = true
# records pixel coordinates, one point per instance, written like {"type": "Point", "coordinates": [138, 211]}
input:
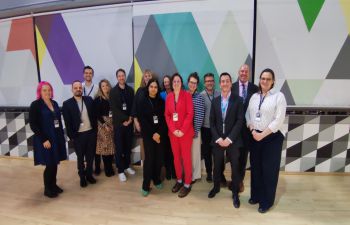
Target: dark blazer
{"type": "Point", "coordinates": [252, 89]}
{"type": "Point", "coordinates": [146, 110]}
{"type": "Point", "coordinates": [71, 115]}
{"type": "Point", "coordinates": [233, 120]}
{"type": "Point", "coordinates": [115, 99]}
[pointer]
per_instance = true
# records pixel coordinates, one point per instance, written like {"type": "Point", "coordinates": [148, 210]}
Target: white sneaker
{"type": "Point", "coordinates": [130, 171]}
{"type": "Point", "coordinates": [122, 177]}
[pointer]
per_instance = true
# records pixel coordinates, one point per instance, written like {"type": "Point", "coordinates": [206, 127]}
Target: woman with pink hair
{"type": "Point", "coordinates": [48, 142]}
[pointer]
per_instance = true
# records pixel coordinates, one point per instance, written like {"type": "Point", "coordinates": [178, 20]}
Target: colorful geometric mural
{"type": "Point", "coordinates": [101, 38]}
{"type": "Point", "coordinates": [308, 47]}
{"type": "Point", "coordinates": [194, 39]}
{"type": "Point", "coordinates": [18, 71]}
{"type": "Point", "coordinates": [55, 37]}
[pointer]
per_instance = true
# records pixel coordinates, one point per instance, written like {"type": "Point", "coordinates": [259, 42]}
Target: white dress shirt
{"type": "Point", "coordinates": [272, 112]}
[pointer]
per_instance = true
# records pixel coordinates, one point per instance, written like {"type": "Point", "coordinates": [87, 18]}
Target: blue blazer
{"type": "Point", "coordinates": [71, 115]}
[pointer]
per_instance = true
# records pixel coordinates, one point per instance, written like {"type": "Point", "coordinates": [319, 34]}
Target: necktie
{"type": "Point", "coordinates": [244, 92]}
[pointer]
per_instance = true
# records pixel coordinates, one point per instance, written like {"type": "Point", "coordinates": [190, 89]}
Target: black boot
{"type": "Point", "coordinates": [97, 164]}
{"type": "Point", "coordinates": [54, 185]}
{"type": "Point", "coordinates": [48, 183]}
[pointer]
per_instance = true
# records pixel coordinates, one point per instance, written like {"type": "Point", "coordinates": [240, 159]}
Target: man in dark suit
{"type": "Point", "coordinates": [245, 89]}
{"type": "Point", "coordinates": [121, 101]}
{"type": "Point", "coordinates": [81, 129]}
{"type": "Point", "coordinates": [226, 119]}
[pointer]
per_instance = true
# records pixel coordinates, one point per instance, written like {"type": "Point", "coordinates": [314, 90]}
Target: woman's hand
{"type": "Point", "coordinates": [47, 144]}
{"type": "Point", "coordinates": [156, 137]}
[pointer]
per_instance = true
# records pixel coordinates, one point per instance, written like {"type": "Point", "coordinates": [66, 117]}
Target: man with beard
{"type": "Point", "coordinates": [81, 129]}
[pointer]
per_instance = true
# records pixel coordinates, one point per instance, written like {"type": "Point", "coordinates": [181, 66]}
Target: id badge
{"type": "Point", "coordinates": [155, 119]}
{"type": "Point", "coordinates": [124, 106]}
{"type": "Point", "coordinates": [81, 124]}
{"type": "Point", "coordinates": [258, 117]}
{"type": "Point", "coordinates": [175, 117]}
{"type": "Point", "coordinates": [110, 114]}
{"type": "Point", "coordinates": [56, 123]}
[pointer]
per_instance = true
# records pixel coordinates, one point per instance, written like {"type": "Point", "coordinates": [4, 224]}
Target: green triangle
{"type": "Point", "coordinates": [304, 91]}
{"type": "Point", "coordinates": [310, 10]}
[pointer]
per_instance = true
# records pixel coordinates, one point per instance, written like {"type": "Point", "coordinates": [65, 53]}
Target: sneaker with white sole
{"type": "Point", "coordinates": [122, 177]}
{"type": "Point", "coordinates": [130, 171]}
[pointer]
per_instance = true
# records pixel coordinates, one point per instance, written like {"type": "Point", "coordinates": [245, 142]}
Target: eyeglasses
{"type": "Point", "coordinates": [265, 79]}
{"type": "Point", "coordinates": [209, 81]}
{"type": "Point", "coordinates": [176, 81]}
{"type": "Point", "coordinates": [192, 82]}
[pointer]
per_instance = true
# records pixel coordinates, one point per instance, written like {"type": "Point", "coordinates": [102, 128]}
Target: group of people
{"type": "Point", "coordinates": [178, 127]}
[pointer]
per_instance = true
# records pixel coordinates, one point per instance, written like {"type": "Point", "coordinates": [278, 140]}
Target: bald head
{"type": "Point", "coordinates": [243, 73]}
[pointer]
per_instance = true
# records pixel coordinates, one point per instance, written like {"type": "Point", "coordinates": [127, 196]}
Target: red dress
{"type": "Point", "coordinates": [181, 147]}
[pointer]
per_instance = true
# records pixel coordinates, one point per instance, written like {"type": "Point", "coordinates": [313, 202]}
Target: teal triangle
{"type": "Point", "coordinates": [185, 44]}
{"type": "Point", "coordinates": [310, 10]}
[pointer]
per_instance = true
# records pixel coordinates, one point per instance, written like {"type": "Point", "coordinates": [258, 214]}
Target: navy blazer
{"type": "Point", "coordinates": [71, 115]}
{"type": "Point", "coordinates": [252, 89]}
{"type": "Point", "coordinates": [233, 120]}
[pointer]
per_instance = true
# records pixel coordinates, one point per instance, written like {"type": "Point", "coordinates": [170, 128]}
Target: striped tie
{"type": "Point", "coordinates": [244, 93]}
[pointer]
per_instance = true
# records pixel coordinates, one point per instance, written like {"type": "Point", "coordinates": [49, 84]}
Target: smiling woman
{"type": "Point", "coordinates": [49, 143]}
{"type": "Point", "coordinates": [265, 116]}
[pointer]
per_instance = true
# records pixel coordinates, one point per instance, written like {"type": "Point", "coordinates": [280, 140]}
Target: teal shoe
{"type": "Point", "coordinates": [144, 193]}
{"type": "Point", "coordinates": [159, 186]}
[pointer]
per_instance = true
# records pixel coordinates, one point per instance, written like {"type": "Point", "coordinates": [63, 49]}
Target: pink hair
{"type": "Point", "coordinates": [40, 86]}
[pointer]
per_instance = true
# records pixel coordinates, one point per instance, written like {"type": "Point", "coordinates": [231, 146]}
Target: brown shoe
{"type": "Point", "coordinates": [177, 187]}
{"type": "Point", "coordinates": [184, 191]}
{"type": "Point", "coordinates": [241, 187]}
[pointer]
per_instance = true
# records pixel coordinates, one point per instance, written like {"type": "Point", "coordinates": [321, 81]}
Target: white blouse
{"type": "Point", "coordinates": [272, 112]}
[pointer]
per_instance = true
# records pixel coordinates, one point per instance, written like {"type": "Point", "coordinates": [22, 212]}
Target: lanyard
{"type": "Point", "coordinates": [82, 107]}
{"type": "Point", "coordinates": [224, 106]}
{"type": "Point", "coordinates": [262, 98]}
{"type": "Point", "coordinates": [151, 105]}
{"type": "Point", "coordinates": [210, 99]}
{"type": "Point", "coordinates": [89, 91]}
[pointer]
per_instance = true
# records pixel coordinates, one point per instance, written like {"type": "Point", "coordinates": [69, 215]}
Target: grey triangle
{"type": "Point", "coordinates": [341, 68]}
{"type": "Point", "coordinates": [287, 93]}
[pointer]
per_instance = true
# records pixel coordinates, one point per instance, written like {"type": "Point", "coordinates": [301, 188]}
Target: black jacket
{"type": "Point", "coordinates": [146, 110]}
{"type": "Point", "coordinates": [233, 120]}
{"type": "Point", "coordinates": [116, 101]}
{"type": "Point", "coordinates": [71, 115]}
{"type": "Point", "coordinates": [252, 89]}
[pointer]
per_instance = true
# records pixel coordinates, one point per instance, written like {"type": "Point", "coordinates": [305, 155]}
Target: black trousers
{"type": "Point", "coordinates": [152, 163]}
{"type": "Point", "coordinates": [243, 151]}
{"type": "Point", "coordinates": [85, 146]}
{"type": "Point", "coordinates": [206, 149]}
{"type": "Point", "coordinates": [265, 159]}
{"type": "Point", "coordinates": [123, 142]}
{"type": "Point", "coordinates": [232, 155]}
{"type": "Point", "coordinates": [50, 174]}
{"type": "Point", "coordinates": [168, 158]}
{"type": "Point", "coordinates": [107, 161]}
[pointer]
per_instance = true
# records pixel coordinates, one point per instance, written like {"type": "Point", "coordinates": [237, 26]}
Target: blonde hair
{"type": "Point", "coordinates": [143, 84]}
{"type": "Point", "coordinates": [100, 92]}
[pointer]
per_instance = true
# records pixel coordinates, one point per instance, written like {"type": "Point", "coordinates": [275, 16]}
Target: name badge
{"type": "Point", "coordinates": [124, 106]}
{"type": "Point", "coordinates": [56, 123]}
{"type": "Point", "coordinates": [258, 117]}
{"type": "Point", "coordinates": [175, 117]}
{"type": "Point", "coordinates": [110, 114]}
{"type": "Point", "coordinates": [81, 124]}
{"type": "Point", "coordinates": [155, 119]}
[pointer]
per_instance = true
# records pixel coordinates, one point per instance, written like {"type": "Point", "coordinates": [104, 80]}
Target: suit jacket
{"type": "Point", "coordinates": [184, 109]}
{"type": "Point", "coordinates": [71, 115]}
{"type": "Point", "coordinates": [233, 120]}
{"type": "Point", "coordinates": [252, 89]}
{"type": "Point", "coordinates": [115, 100]}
